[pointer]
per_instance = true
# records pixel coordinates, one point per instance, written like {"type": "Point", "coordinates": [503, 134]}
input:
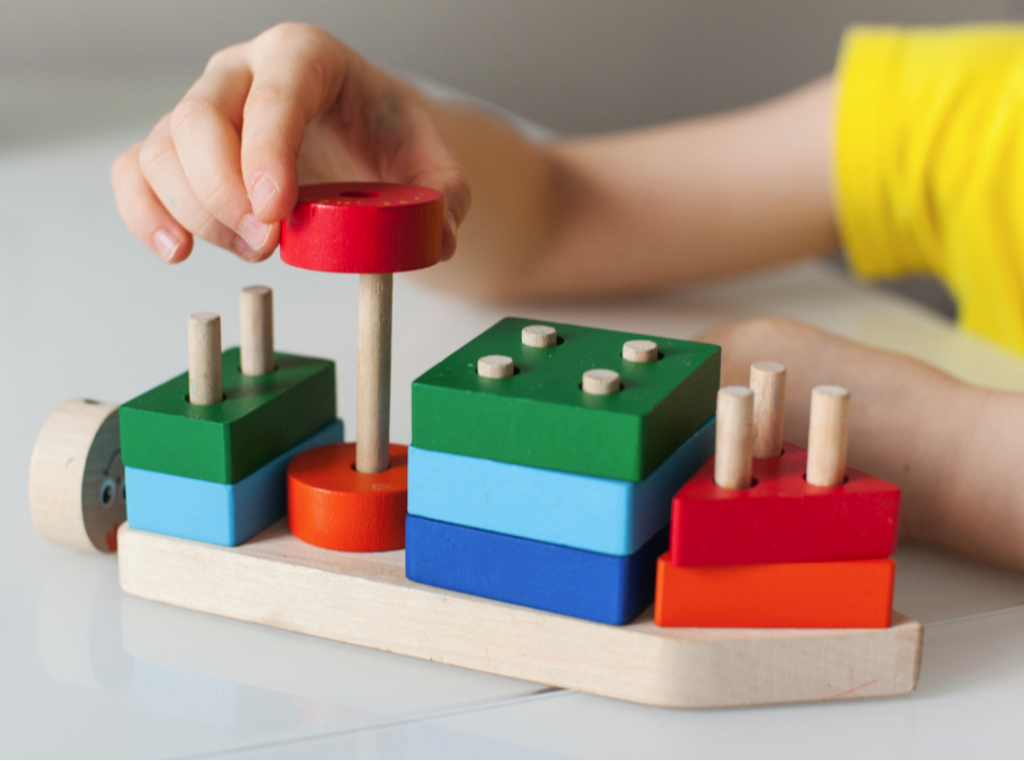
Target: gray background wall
{"type": "Point", "coordinates": [575, 65]}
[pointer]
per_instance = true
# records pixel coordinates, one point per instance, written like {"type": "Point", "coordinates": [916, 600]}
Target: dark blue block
{"type": "Point", "coordinates": [611, 589]}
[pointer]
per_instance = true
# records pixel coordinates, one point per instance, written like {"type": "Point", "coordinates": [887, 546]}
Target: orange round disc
{"type": "Point", "coordinates": [332, 505]}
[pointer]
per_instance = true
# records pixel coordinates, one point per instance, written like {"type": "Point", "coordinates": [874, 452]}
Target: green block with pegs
{"type": "Point", "coordinates": [261, 417]}
{"type": "Point", "coordinates": [540, 415]}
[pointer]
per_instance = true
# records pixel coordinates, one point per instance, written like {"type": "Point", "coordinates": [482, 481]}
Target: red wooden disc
{"type": "Point", "coordinates": [332, 505]}
{"type": "Point", "coordinates": [363, 227]}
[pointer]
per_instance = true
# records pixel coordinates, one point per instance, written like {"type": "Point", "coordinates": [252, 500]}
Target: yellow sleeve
{"type": "Point", "coordinates": [929, 164]}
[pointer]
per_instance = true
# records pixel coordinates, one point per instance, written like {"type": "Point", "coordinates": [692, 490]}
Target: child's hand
{"type": "Point", "coordinates": [952, 448]}
{"type": "Point", "coordinates": [292, 106]}
{"type": "Point", "coordinates": [890, 395]}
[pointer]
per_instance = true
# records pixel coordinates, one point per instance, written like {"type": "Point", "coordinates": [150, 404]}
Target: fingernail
{"type": "Point", "coordinates": [242, 249]}
{"type": "Point", "coordinates": [166, 243]}
{"type": "Point", "coordinates": [263, 192]}
{"type": "Point", "coordinates": [254, 232]}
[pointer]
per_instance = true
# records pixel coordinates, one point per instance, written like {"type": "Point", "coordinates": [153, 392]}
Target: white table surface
{"type": "Point", "coordinates": [88, 671]}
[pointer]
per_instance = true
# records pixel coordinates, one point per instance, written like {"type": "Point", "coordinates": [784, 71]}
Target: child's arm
{"type": "Point", "coordinates": [954, 450]}
{"type": "Point", "coordinates": [612, 214]}
{"type": "Point", "coordinates": [646, 209]}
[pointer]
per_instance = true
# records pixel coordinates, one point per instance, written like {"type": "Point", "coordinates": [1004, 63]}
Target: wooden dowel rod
{"type": "Point", "coordinates": [734, 439]}
{"type": "Point", "coordinates": [257, 319]}
{"type": "Point", "coordinates": [205, 383]}
{"type": "Point", "coordinates": [640, 350]}
{"type": "Point", "coordinates": [540, 336]}
{"type": "Point", "coordinates": [768, 382]}
{"type": "Point", "coordinates": [495, 366]}
{"type": "Point", "coordinates": [600, 382]}
{"type": "Point", "coordinates": [827, 439]}
{"type": "Point", "coordinates": [373, 387]}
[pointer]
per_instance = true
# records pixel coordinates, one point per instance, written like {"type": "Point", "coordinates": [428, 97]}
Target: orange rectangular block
{"type": "Point", "coordinates": [842, 594]}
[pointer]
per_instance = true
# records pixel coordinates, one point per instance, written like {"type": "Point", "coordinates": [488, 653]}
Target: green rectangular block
{"type": "Point", "coordinates": [260, 417]}
{"type": "Point", "coordinates": [540, 416]}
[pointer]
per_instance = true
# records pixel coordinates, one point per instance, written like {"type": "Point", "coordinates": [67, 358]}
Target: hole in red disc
{"type": "Point", "coordinates": [359, 194]}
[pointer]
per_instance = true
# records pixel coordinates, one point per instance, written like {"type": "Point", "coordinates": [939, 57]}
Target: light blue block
{"type": "Point", "coordinates": [584, 512]}
{"type": "Point", "coordinates": [225, 514]}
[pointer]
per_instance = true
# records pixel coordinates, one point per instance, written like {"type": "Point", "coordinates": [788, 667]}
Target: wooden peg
{"type": "Point", "coordinates": [373, 390]}
{"type": "Point", "coordinates": [205, 384]}
{"type": "Point", "coordinates": [495, 366]}
{"type": "Point", "coordinates": [768, 382]}
{"type": "Point", "coordinates": [601, 382]}
{"type": "Point", "coordinates": [257, 319]}
{"type": "Point", "coordinates": [640, 351]}
{"type": "Point", "coordinates": [539, 336]}
{"type": "Point", "coordinates": [734, 437]}
{"type": "Point", "coordinates": [828, 436]}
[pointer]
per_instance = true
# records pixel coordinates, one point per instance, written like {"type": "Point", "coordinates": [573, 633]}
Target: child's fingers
{"type": "Point", "coordinates": [427, 160]}
{"type": "Point", "coordinates": [297, 74]}
{"type": "Point", "coordinates": [159, 164]}
{"type": "Point", "coordinates": [142, 211]}
{"type": "Point", "coordinates": [204, 128]}
{"type": "Point", "coordinates": [451, 183]}
{"type": "Point", "coordinates": [300, 73]}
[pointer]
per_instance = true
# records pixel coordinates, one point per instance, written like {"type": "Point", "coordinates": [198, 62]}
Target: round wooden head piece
{"type": "Point", "coordinates": [76, 479]}
{"type": "Point", "coordinates": [364, 228]}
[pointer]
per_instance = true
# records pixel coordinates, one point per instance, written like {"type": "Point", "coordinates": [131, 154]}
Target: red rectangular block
{"type": "Point", "coordinates": [782, 518]}
{"type": "Point", "coordinates": [845, 594]}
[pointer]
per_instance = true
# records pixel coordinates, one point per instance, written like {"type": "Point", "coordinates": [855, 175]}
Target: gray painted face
{"type": "Point", "coordinates": [104, 506]}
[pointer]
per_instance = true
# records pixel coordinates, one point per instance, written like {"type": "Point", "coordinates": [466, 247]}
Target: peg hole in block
{"type": "Point", "coordinates": [834, 486]}
{"type": "Point", "coordinates": [358, 194]}
{"type": "Point", "coordinates": [188, 399]}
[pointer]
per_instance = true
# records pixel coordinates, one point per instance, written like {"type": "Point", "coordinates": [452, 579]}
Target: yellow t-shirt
{"type": "Point", "coordinates": [929, 168]}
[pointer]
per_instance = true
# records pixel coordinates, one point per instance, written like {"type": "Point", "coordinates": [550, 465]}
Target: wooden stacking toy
{"type": "Point", "coordinates": [206, 453]}
{"type": "Point", "coordinates": [558, 483]}
{"type": "Point", "coordinates": [544, 461]}
{"type": "Point", "coordinates": [353, 496]}
{"type": "Point", "coordinates": [771, 535]}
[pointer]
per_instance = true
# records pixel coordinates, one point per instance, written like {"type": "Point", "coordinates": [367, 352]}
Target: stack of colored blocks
{"type": "Point", "coordinates": [528, 490]}
{"type": "Point", "coordinates": [783, 553]}
{"type": "Point", "coordinates": [217, 473]}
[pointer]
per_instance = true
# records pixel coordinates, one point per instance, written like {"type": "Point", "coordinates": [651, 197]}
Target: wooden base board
{"type": "Point", "coordinates": [365, 599]}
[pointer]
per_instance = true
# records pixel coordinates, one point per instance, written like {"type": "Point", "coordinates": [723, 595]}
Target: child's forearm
{"type": "Point", "coordinates": [645, 209]}
{"type": "Point", "coordinates": [979, 495]}
{"type": "Point", "coordinates": [952, 448]}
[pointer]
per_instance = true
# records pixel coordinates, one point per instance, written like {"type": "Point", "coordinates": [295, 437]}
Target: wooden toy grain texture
{"type": "Point", "coordinates": [612, 589]}
{"type": "Point", "coordinates": [544, 418]}
{"type": "Point", "coordinates": [782, 518]}
{"type": "Point", "coordinates": [256, 320]}
{"type": "Point", "coordinates": [365, 599]}
{"type": "Point", "coordinates": [734, 437]}
{"type": "Point", "coordinates": [836, 594]}
{"type": "Point", "coordinates": [261, 417]}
